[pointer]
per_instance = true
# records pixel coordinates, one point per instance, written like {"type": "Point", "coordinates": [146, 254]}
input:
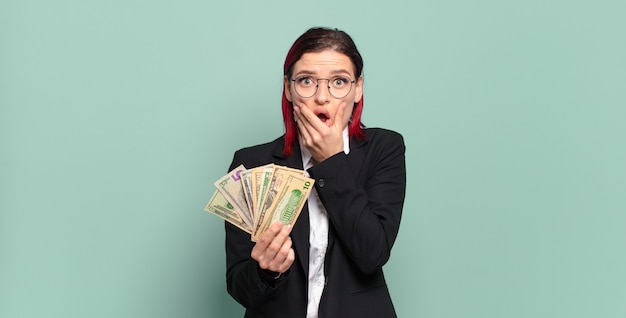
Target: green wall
{"type": "Point", "coordinates": [117, 116]}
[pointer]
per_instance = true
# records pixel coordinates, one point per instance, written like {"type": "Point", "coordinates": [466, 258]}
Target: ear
{"type": "Point", "coordinates": [358, 89]}
{"type": "Point", "coordinates": [287, 88]}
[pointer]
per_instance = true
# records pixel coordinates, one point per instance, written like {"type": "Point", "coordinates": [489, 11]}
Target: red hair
{"type": "Point", "coordinates": [317, 40]}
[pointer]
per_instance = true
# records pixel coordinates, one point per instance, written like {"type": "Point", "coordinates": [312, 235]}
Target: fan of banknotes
{"type": "Point", "coordinates": [253, 199]}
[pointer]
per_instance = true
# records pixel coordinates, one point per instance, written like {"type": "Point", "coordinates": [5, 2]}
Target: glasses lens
{"type": "Point", "coordinates": [340, 86]}
{"type": "Point", "coordinates": [305, 86]}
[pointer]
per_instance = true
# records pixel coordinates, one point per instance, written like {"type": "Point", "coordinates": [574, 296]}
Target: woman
{"type": "Point", "coordinates": [330, 263]}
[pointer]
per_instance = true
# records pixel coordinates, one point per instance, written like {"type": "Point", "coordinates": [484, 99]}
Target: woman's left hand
{"type": "Point", "coordinates": [322, 141]}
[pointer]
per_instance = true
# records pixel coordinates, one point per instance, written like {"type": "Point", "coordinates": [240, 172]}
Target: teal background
{"type": "Point", "coordinates": [117, 116]}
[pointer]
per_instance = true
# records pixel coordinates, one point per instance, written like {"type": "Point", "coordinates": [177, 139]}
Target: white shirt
{"type": "Point", "coordinates": [318, 237]}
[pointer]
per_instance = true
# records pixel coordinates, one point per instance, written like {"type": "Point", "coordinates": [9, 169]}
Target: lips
{"type": "Point", "coordinates": [323, 115]}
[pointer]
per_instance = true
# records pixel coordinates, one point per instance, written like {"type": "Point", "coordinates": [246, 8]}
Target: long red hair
{"type": "Point", "coordinates": [317, 40]}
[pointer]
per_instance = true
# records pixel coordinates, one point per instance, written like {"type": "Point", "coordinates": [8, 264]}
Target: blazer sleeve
{"type": "Point", "coordinates": [365, 206]}
{"type": "Point", "coordinates": [245, 281]}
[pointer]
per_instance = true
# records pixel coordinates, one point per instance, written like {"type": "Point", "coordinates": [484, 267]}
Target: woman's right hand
{"type": "Point", "coordinates": [323, 140]}
{"type": "Point", "coordinates": [273, 250]}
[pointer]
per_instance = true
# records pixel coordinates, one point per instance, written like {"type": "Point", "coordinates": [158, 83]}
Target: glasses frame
{"type": "Point", "coordinates": [317, 85]}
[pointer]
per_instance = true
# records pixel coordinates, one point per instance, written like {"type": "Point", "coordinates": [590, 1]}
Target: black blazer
{"type": "Point", "coordinates": [363, 193]}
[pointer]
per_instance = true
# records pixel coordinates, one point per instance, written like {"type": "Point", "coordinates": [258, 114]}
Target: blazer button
{"type": "Point", "coordinates": [321, 183]}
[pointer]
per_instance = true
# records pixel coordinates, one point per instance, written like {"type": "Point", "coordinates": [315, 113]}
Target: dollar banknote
{"type": "Point", "coordinates": [246, 183]}
{"type": "Point", "coordinates": [265, 179]}
{"type": "Point", "coordinates": [253, 199]}
{"type": "Point", "coordinates": [256, 182]}
{"type": "Point", "coordinates": [231, 187]}
{"type": "Point", "coordinates": [284, 200]}
{"type": "Point", "coordinates": [219, 206]}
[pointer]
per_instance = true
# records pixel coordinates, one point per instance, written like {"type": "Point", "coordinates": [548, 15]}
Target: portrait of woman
{"type": "Point", "coordinates": [467, 160]}
{"type": "Point", "coordinates": [330, 263]}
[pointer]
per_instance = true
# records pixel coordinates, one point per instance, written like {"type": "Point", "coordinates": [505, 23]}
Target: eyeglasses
{"type": "Point", "coordinates": [338, 86]}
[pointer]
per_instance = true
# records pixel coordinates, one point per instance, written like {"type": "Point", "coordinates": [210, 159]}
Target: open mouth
{"type": "Point", "coordinates": [322, 117]}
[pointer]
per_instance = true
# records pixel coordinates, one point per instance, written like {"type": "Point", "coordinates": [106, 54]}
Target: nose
{"type": "Point", "coordinates": [322, 95]}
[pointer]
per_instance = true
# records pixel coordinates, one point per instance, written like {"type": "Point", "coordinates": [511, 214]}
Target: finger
{"type": "Point", "coordinates": [281, 256]}
{"type": "Point", "coordinates": [338, 119]}
{"type": "Point", "coordinates": [259, 251]}
{"type": "Point", "coordinates": [311, 119]}
{"type": "Point", "coordinates": [268, 245]}
{"type": "Point", "coordinates": [302, 114]}
{"type": "Point", "coordinates": [277, 242]}
{"type": "Point", "coordinates": [266, 238]}
{"type": "Point", "coordinates": [301, 122]}
{"type": "Point", "coordinates": [291, 257]}
{"type": "Point", "coordinates": [281, 238]}
{"type": "Point", "coordinates": [305, 127]}
{"type": "Point", "coordinates": [285, 231]}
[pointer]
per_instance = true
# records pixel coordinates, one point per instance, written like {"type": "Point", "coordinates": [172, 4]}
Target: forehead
{"type": "Point", "coordinates": [324, 62]}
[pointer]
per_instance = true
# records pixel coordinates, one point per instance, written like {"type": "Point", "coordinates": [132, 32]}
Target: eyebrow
{"type": "Point", "coordinates": [333, 72]}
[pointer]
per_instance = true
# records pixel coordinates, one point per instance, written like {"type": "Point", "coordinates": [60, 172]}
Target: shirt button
{"type": "Point", "coordinates": [321, 183]}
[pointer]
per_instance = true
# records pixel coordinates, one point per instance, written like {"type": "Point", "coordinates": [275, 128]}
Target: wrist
{"type": "Point", "coordinates": [270, 274]}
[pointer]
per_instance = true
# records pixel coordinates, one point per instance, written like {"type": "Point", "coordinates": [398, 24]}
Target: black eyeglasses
{"type": "Point", "coordinates": [338, 86]}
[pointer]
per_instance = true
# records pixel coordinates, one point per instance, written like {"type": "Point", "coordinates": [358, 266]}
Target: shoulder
{"type": "Point", "coordinates": [267, 147]}
{"type": "Point", "coordinates": [383, 136]}
{"type": "Point", "coordinates": [258, 155]}
{"type": "Point", "coordinates": [378, 145]}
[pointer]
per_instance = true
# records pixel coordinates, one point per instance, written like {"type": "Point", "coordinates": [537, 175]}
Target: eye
{"type": "Point", "coordinates": [340, 81]}
{"type": "Point", "coordinates": [304, 81]}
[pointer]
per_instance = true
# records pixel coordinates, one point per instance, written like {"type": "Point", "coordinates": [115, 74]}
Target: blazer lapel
{"type": "Point", "coordinates": [356, 158]}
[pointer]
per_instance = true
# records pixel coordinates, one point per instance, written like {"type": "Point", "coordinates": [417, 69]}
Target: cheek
{"type": "Point", "coordinates": [297, 100]}
{"type": "Point", "coordinates": [347, 114]}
